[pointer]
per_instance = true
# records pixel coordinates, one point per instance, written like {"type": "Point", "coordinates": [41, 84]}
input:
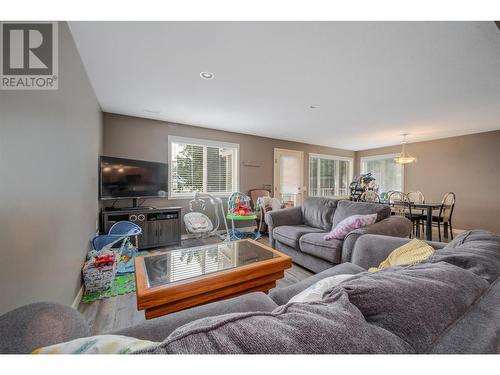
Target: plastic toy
{"type": "Point", "coordinates": [239, 209]}
{"type": "Point", "coordinates": [105, 260]}
{"type": "Point", "coordinates": [239, 205]}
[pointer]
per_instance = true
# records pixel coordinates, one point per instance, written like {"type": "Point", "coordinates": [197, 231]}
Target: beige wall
{"type": "Point", "coordinates": [467, 165]}
{"type": "Point", "coordinates": [49, 146]}
{"type": "Point", "coordinates": [139, 138]}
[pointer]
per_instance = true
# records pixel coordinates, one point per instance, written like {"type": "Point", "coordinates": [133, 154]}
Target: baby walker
{"type": "Point", "coordinates": [239, 209]}
{"type": "Point", "coordinates": [198, 223]}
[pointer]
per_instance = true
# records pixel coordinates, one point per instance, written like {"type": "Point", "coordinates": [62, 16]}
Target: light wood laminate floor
{"type": "Point", "coordinates": [119, 312]}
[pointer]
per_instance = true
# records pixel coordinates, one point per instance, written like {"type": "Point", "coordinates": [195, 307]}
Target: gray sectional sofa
{"type": "Point", "coordinates": [299, 231]}
{"type": "Point", "coordinates": [449, 303]}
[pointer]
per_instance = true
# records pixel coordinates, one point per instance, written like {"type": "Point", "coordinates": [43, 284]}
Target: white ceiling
{"type": "Point", "coordinates": [373, 80]}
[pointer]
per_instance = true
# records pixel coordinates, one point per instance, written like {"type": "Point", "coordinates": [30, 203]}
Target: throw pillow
{"type": "Point", "coordinates": [101, 344]}
{"type": "Point", "coordinates": [349, 224]}
{"type": "Point", "coordinates": [412, 252]}
{"type": "Point", "coordinates": [315, 292]}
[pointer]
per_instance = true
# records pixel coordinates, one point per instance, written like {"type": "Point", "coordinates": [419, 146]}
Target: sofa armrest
{"type": "Point", "coordinates": [40, 324]}
{"type": "Point", "coordinates": [285, 216]}
{"type": "Point", "coordinates": [395, 226]}
{"type": "Point", "coordinates": [371, 249]}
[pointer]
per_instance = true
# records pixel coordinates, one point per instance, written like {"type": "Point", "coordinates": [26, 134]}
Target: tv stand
{"type": "Point", "coordinates": [138, 208]}
{"type": "Point", "coordinates": [160, 226]}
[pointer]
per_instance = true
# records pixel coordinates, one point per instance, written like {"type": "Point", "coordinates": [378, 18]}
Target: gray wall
{"type": "Point", "coordinates": [49, 147]}
{"type": "Point", "coordinates": [139, 138]}
{"type": "Point", "coordinates": [468, 165]}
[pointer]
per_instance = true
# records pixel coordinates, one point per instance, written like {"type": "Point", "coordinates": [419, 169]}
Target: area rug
{"type": "Point", "coordinates": [122, 284]}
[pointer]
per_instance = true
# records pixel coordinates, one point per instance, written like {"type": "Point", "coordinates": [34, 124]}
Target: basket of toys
{"type": "Point", "coordinates": [100, 271]}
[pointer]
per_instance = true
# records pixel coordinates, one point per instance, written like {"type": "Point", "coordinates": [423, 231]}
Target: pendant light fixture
{"type": "Point", "coordinates": [403, 157]}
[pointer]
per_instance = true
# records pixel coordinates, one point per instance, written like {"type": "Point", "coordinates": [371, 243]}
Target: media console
{"type": "Point", "coordinates": [160, 226]}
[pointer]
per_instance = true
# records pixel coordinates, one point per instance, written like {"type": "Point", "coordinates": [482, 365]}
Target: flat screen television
{"type": "Point", "coordinates": [127, 178]}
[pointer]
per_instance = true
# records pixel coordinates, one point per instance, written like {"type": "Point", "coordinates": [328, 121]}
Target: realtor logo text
{"type": "Point", "coordinates": [29, 58]}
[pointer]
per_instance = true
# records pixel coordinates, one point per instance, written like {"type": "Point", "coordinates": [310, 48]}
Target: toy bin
{"type": "Point", "coordinates": [98, 279]}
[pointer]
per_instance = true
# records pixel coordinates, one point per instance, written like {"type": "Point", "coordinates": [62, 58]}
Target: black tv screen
{"type": "Point", "coordinates": [126, 178]}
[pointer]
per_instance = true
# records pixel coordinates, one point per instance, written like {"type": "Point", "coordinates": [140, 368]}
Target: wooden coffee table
{"type": "Point", "coordinates": [180, 279]}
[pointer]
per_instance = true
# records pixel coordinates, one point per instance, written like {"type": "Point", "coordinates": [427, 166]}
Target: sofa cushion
{"type": "Point", "coordinates": [315, 244]}
{"type": "Point", "coordinates": [417, 303]}
{"type": "Point", "coordinates": [347, 208]}
{"type": "Point", "coordinates": [476, 250]}
{"type": "Point", "coordinates": [318, 212]}
{"type": "Point", "coordinates": [478, 331]}
{"type": "Point", "coordinates": [342, 229]}
{"type": "Point", "coordinates": [317, 327]}
{"type": "Point", "coordinates": [290, 234]}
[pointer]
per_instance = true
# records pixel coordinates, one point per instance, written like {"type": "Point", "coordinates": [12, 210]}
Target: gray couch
{"type": "Point", "coordinates": [447, 304]}
{"type": "Point", "coordinates": [299, 231]}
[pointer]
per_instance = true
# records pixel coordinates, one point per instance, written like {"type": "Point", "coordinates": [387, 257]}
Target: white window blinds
{"type": "Point", "coordinates": [202, 165]}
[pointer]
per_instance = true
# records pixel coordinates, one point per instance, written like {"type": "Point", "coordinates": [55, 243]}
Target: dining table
{"type": "Point", "coordinates": [429, 208]}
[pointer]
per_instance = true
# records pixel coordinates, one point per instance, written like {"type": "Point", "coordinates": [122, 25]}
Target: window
{"type": "Point", "coordinates": [202, 165]}
{"type": "Point", "coordinates": [329, 176]}
{"type": "Point", "coordinates": [387, 172]}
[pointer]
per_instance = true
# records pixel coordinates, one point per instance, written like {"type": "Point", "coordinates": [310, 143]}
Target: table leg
{"type": "Point", "coordinates": [428, 228]}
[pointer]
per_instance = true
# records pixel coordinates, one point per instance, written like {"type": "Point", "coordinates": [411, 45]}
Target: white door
{"type": "Point", "coordinates": [288, 176]}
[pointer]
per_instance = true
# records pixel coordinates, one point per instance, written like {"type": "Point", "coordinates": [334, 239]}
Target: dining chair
{"type": "Point", "coordinates": [445, 215]}
{"type": "Point", "coordinates": [418, 197]}
{"type": "Point", "coordinates": [401, 206]}
{"type": "Point", "coordinates": [370, 196]}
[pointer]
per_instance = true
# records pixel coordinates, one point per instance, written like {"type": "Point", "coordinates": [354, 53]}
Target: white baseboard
{"type": "Point", "coordinates": [78, 299]}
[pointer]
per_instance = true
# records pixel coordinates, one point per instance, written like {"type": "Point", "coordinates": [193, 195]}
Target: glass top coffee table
{"type": "Point", "coordinates": [179, 279]}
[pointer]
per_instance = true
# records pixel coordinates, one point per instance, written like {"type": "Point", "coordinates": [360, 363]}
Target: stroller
{"type": "Point", "coordinates": [362, 183]}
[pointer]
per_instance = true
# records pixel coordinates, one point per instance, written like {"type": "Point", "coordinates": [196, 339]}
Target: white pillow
{"type": "Point", "coordinates": [101, 344]}
{"type": "Point", "coordinates": [315, 292]}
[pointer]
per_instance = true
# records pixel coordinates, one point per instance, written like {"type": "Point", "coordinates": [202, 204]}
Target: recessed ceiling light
{"type": "Point", "coordinates": [314, 106]}
{"type": "Point", "coordinates": [207, 75]}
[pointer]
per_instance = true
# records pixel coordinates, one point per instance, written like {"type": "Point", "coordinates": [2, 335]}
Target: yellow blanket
{"type": "Point", "coordinates": [413, 252]}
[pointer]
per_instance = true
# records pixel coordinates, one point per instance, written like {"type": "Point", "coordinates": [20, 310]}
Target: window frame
{"type": "Point", "coordinates": [362, 159]}
{"type": "Point", "coordinates": [205, 143]}
{"type": "Point", "coordinates": [329, 157]}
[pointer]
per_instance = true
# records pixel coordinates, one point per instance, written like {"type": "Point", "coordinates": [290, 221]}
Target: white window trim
{"type": "Point", "coordinates": [330, 157]}
{"type": "Point", "coordinates": [363, 159]}
{"type": "Point", "coordinates": [202, 142]}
